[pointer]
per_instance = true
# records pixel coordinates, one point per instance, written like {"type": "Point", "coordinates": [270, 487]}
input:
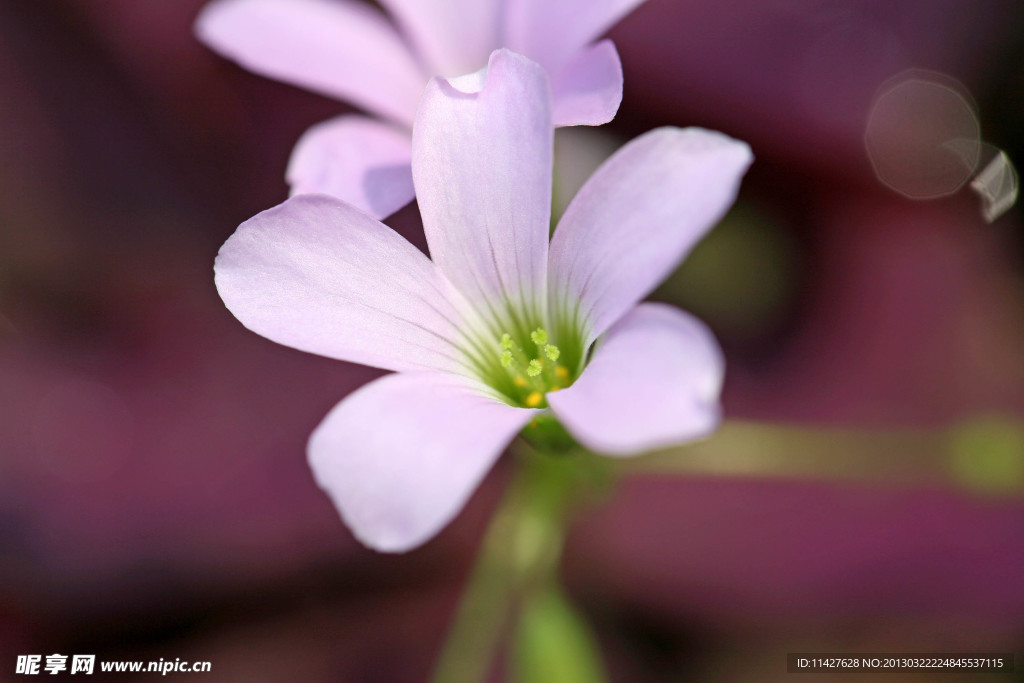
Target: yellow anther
{"type": "Point", "coordinates": [553, 389]}
{"type": "Point", "coordinates": [532, 368]}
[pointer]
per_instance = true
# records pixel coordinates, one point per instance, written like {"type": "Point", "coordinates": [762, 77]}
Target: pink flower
{"type": "Point", "coordinates": [349, 50]}
{"type": "Point", "coordinates": [497, 330]}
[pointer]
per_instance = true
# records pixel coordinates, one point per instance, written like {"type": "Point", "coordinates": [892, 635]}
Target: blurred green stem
{"type": "Point", "coordinates": [983, 455]}
{"type": "Point", "coordinates": [516, 574]}
{"type": "Point", "coordinates": [520, 555]}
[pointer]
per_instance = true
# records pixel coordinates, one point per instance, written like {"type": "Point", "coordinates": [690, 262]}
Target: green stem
{"type": "Point", "coordinates": [521, 551]}
{"type": "Point", "coordinates": [983, 455]}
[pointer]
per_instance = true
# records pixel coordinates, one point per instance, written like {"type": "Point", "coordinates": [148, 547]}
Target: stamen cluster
{"type": "Point", "coordinates": [533, 367]}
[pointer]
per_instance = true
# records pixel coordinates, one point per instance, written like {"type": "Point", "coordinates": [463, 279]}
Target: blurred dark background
{"type": "Point", "coordinates": [154, 495]}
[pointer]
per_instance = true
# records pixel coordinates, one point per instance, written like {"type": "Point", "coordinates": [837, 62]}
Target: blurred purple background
{"type": "Point", "coordinates": [154, 496]}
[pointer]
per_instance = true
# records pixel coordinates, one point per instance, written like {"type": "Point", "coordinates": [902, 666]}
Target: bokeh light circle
{"type": "Point", "coordinates": [923, 136]}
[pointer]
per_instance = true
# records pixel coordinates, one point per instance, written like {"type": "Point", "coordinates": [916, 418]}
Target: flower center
{"type": "Point", "coordinates": [532, 369]}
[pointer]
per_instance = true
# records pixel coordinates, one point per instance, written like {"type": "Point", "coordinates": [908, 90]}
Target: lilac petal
{"type": "Point", "coordinates": [481, 163]}
{"type": "Point", "coordinates": [637, 217]}
{"type": "Point", "coordinates": [318, 275]}
{"type": "Point", "coordinates": [338, 48]}
{"type": "Point", "coordinates": [400, 456]}
{"type": "Point", "coordinates": [654, 381]}
{"type": "Point", "coordinates": [454, 36]}
{"type": "Point", "coordinates": [359, 160]}
{"type": "Point", "coordinates": [552, 32]}
{"type": "Point", "coordinates": [587, 91]}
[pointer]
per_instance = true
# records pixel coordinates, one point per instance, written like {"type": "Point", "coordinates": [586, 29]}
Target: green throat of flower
{"type": "Point", "coordinates": [531, 369]}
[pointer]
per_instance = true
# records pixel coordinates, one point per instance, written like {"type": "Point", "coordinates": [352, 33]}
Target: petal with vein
{"type": "Point", "coordinates": [481, 163]}
{"type": "Point", "coordinates": [587, 91]}
{"type": "Point", "coordinates": [552, 32]}
{"type": "Point", "coordinates": [337, 48]}
{"type": "Point", "coordinates": [637, 217]}
{"type": "Point", "coordinates": [401, 456]}
{"type": "Point", "coordinates": [321, 276]}
{"type": "Point", "coordinates": [454, 36]}
{"type": "Point", "coordinates": [654, 381]}
{"type": "Point", "coordinates": [359, 160]}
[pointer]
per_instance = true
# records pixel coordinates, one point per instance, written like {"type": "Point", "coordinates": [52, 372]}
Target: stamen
{"type": "Point", "coordinates": [531, 378]}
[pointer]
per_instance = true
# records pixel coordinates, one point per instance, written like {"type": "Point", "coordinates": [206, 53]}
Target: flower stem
{"type": "Point", "coordinates": [520, 554]}
{"type": "Point", "coordinates": [983, 455]}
